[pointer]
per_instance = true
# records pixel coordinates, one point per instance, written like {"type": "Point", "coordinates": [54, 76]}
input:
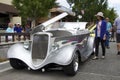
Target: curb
{"type": "Point", "coordinates": [6, 69]}
{"type": "Point", "coordinates": [5, 66]}
{"type": "Point", "coordinates": [5, 62]}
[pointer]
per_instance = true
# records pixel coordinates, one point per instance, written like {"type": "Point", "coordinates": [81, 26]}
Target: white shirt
{"type": "Point", "coordinates": [10, 30]}
{"type": "Point", "coordinates": [99, 28]}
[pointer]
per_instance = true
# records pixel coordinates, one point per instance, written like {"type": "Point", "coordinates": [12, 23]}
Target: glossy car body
{"type": "Point", "coordinates": [54, 43]}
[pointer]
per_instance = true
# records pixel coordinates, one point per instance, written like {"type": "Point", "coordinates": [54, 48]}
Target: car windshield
{"type": "Point", "coordinates": [67, 25]}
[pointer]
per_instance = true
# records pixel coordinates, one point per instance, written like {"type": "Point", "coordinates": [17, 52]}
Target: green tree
{"type": "Point", "coordinates": [111, 14]}
{"type": "Point", "coordinates": [33, 9]}
{"type": "Point", "coordinates": [90, 8]}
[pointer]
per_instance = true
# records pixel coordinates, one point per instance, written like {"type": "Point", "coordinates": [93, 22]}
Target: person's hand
{"type": "Point", "coordinates": [104, 38]}
{"type": "Point", "coordinates": [110, 30]}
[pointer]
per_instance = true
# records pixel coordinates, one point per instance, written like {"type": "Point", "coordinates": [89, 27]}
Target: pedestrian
{"type": "Point", "coordinates": [117, 25]}
{"type": "Point", "coordinates": [10, 29]}
{"type": "Point", "coordinates": [28, 30]}
{"type": "Point", "coordinates": [18, 29]}
{"type": "Point", "coordinates": [100, 35]}
{"type": "Point", "coordinates": [112, 38]}
{"type": "Point", "coordinates": [109, 28]}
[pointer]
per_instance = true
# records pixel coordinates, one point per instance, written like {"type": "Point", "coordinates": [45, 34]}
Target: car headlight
{"type": "Point", "coordinates": [55, 46]}
{"type": "Point", "coordinates": [26, 45]}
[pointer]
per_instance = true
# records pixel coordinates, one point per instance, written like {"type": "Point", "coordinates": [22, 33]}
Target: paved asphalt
{"type": "Point", "coordinates": [3, 51]}
{"type": "Point", "coordinates": [107, 69]}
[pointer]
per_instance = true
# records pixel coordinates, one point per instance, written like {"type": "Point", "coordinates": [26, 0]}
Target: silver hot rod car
{"type": "Point", "coordinates": [64, 44]}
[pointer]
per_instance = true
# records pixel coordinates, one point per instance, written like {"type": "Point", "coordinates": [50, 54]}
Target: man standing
{"type": "Point", "coordinates": [100, 35]}
{"type": "Point", "coordinates": [10, 29]}
{"type": "Point", "coordinates": [109, 27]}
{"type": "Point", "coordinates": [117, 25]}
{"type": "Point", "coordinates": [18, 28]}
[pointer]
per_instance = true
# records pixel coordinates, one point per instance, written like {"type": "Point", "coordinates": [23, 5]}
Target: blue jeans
{"type": "Point", "coordinates": [107, 39]}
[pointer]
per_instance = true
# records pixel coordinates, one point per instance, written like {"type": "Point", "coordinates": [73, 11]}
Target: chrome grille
{"type": "Point", "coordinates": [39, 46]}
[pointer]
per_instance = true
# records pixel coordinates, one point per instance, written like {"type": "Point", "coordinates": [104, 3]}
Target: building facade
{"type": "Point", "coordinates": [8, 13]}
{"type": "Point", "coordinates": [6, 2]}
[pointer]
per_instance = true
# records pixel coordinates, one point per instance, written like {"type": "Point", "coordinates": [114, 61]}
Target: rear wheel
{"type": "Point", "coordinates": [73, 67]}
{"type": "Point", "coordinates": [17, 64]}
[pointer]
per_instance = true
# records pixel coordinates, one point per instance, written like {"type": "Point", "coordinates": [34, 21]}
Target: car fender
{"type": "Point", "coordinates": [17, 51]}
{"type": "Point", "coordinates": [64, 56]}
{"type": "Point", "coordinates": [90, 43]}
{"type": "Point", "coordinates": [90, 47]}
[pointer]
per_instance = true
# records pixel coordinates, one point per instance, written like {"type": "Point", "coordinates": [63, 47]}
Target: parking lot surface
{"type": "Point", "coordinates": [101, 69]}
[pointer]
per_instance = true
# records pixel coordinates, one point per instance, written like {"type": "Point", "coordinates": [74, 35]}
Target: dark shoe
{"type": "Point", "coordinates": [107, 47]}
{"type": "Point", "coordinates": [118, 53]}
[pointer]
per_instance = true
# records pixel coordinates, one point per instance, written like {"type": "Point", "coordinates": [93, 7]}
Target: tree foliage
{"type": "Point", "coordinates": [91, 7]}
{"type": "Point", "coordinates": [33, 9]}
{"type": "Point", "coordinates": [111, 14]}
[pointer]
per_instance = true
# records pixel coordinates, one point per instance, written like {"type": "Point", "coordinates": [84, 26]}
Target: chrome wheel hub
{"type": "Point", "coordinates": [76, 63]}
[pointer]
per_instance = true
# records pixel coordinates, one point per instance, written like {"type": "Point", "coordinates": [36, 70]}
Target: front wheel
{"type": "Point", "coordinates": [73, 67]}
{"type": "Point", "coordinates": [17, 64]}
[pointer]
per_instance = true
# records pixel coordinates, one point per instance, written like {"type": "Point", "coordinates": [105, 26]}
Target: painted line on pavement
{"type": "Point", "coordinates": [87, 73]}
{"type": "Point", "coordinates": [5, 62]}
{"type": "Point", "coordinates": [6, 69]}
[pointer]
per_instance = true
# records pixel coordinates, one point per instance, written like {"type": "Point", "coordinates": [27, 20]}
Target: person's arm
{"type": "Point", "coordinates": [105, 30]}
{"type": "Point", "coordinates": [115, 25]}
{"type": "Point", "coordinates": [15, 30]}
{"type": "Point", "coordinates": [110, 27]}
{"type": "Point", "coordinates": [7, 30]}
{"type": "Point", "coordinates": [114, 28]}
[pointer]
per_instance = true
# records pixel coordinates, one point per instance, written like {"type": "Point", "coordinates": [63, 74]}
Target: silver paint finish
{"type": "Point", "coordinates": [61, 56]}
{"type": "Point", "coordinates": [54, 45]}
{"type": "Point", "coordinates": [39, 46]}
